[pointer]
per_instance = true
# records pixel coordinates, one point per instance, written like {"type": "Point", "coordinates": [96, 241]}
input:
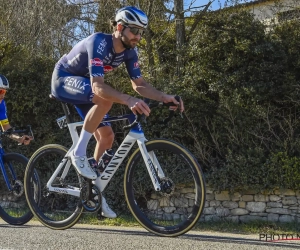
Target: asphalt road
{"type": "Point", "coordinates": [35, 236]}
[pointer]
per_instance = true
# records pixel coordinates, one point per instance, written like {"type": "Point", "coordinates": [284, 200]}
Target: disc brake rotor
{"type": "Point", "coordinates": [167, 186]}
{"type": "Point", "coordinates": [18, 188]}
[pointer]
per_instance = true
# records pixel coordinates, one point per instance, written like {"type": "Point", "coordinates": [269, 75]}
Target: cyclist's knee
{"type": "Point", "coordinates": [105, 135]}
{"type": "Point", "coordinates": [108, 138]}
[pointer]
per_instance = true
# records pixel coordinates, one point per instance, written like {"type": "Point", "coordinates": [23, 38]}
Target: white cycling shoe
{"type": "Point", "coordinates": [82, 166]}
{"type": "Point", "coordinates": [106, 210]}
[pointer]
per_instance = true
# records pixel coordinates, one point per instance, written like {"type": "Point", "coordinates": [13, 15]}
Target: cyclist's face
{"type": "Point", "coordinates": [2, 94]}
{"type": "Point", "coordinates": [129, 38]}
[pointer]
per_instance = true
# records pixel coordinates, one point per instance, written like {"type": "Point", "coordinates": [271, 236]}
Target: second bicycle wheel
{"type": "Point", "coordinates": [13, 206]}
{"type": "Point", "coordinates": [177, 207]}
{"type": "Point", "coordinates": [54, 209]}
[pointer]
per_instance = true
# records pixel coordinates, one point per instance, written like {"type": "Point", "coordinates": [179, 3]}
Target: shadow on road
{"type": "Point", "coordinates": [232, 239]}
{"type": "Point", "coordinates": [240, 240]}
{"type": "Point", "coordinates": [198, 237]}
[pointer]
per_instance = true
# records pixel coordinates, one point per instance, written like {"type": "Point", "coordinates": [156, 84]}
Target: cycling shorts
{"type": "Point", "coordinates": [75, 90]}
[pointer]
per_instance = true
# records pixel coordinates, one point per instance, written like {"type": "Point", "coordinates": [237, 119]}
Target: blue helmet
{"type": "Point", "coordinates": [132, 15]}
{"type": "Point", "coordinates": [4, 84]}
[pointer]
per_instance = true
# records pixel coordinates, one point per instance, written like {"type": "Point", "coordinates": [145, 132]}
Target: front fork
{"type": "Point", "coordinates": [152, 164]}
{"type": "Point", "coordinates": [4, 173]}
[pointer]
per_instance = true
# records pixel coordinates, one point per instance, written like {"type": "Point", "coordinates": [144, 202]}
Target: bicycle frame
{"type": "Point", "coordinates": [3, 168]}
{"type": "Point", "coordinates": [11, 169]}
{"type": "Point", "coordinates": [135, 134]}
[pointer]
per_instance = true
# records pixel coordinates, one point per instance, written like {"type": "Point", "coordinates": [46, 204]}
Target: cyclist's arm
{"type": "Point", "coordinates": [14, 137]}
{"type": "Point", "coordinates": [25, 139]}
{"type": "Point", "coordinates": [148, 91]}
{"type": "Point", "coordinates": [142, 87]}
{"type": "Point", "coordinates": [145, 89]}
{"type": "Point", "coordinates": [107, 92]}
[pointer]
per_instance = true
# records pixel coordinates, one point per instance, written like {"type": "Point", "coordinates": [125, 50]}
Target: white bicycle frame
{"type": "Point", "coordinates": [135, 134]}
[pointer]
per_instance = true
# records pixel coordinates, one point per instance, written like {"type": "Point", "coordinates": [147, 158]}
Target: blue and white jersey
{"type": "Point", "coordinates": [3, 114]}
{"type": "Point", "coordinates": [95, 56]}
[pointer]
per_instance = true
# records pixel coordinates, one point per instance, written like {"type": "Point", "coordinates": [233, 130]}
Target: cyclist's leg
{"type": "Point", "coordinates": [95, 115]}
{"type": "Point", "coordinates": [76, 90]}
{"type": "Point", "coordinates": [91, 122]}
{"type": "Point", "coordinates": [71, 89]}
{"type": "Point", "coordinates": [105, 137]}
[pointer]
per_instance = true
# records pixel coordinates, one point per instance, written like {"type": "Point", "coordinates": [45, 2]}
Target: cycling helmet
{"type": "Point", "coordinates": [132, 15]}
{"type": "Point", "coordinates": [4, 84]}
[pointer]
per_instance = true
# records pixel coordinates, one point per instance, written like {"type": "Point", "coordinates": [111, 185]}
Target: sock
{"type": "Point", "coordinates": [80, 148]}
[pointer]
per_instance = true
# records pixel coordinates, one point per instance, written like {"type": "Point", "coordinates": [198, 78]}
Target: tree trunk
{"type": "Point", "coordinates": [180, 32]}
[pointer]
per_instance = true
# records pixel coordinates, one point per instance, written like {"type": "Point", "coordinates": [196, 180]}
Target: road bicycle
{"type": "Point", "coordinates": [13, 206]}
{"type": "Point", "coordinates": [163, 183]}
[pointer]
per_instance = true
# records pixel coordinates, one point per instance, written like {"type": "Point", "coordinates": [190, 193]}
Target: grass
{"type": "Point", "coordinates": [123, 221]}
{"type": "Point", "coordinates": [254, 227]}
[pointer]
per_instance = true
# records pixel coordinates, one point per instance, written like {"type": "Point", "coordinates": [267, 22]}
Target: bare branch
{"type": "Point", "coordinates": [197, 20]}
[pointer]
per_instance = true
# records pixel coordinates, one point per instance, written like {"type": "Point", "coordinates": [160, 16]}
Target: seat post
{"type": "Point", "coordinates": [67, 112]}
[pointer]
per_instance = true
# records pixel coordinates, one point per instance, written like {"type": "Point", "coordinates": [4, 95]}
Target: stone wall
{"type": "Point", "coordinates": [282, 205]}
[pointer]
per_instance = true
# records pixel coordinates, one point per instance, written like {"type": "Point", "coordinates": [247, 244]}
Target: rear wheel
{"type": "Point", "coordinates": [176, 208]}
{"type": "Point", "coordinates": [14, 208]}
{"type": "Point", "coordinates": [54, 210]}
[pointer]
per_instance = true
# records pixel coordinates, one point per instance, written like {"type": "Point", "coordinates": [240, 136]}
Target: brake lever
{"type": "Point", "coordinates": [178, 99]}
{"type": "Point", "coordinates": [29, 132]}
{"type": "Point", "coordinates": [171, 111]}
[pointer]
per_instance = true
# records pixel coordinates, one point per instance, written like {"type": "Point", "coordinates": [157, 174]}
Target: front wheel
{"type": "Point", "coordinates": [177, 207]}
{"type": "Point", "coordinates": [13, 207]}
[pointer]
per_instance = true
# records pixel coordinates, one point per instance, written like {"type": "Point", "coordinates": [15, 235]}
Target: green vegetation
{"type": "Point", "coordinates": [254, 227]}
{"type": "Point", "coordinates": [239, 82]}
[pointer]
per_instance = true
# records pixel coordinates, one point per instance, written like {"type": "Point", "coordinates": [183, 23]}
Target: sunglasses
{"type": "Point", "coordinates": [135, 30]}
{"type": "Point", "coordinates": [2, 91]}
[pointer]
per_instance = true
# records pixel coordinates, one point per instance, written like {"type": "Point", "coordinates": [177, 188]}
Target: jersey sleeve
{"type": "Point", "coordinates": [96, 47]}
{"type": "Point", "coordinates": [133, 67]}
{"type": "Point", "coordinates": [3, 114]}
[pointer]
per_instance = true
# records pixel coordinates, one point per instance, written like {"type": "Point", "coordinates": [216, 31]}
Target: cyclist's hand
{"type": "Point", "coordinates": [138, 106]}
{"type": "Point", "coordinates": [25, 139]}
{"type": "Point", "coordinates": [171, 98]}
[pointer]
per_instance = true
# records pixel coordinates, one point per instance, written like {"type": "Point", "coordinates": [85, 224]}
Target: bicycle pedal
{"type": "Point", "coordinates": [91, 204]}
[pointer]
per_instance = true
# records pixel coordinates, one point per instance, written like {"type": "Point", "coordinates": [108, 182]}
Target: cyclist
{"type": "Point", "coordinates": [4, 86]}
{"type": "Point", "coordinates": [78, 78]}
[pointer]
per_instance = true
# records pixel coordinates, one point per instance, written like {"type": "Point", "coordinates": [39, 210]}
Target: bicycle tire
{"type": "Point", "coordinates": [173, 211]}
{"type": "Point", "coordinates": [54, 210]}
{"type": "Point", "coordinates": [15, 209]}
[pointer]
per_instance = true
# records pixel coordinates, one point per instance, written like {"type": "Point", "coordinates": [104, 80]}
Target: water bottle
{"type": "Point", "coordinates": [105, 159]}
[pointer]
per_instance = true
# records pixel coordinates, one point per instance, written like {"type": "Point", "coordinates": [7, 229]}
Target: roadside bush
{"type": "Point", "coordinates": [240, 85]}
{"type": "Point", "coordinates": [241, 92]}
{"type": "Point", "coordinates": [28, 99]}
